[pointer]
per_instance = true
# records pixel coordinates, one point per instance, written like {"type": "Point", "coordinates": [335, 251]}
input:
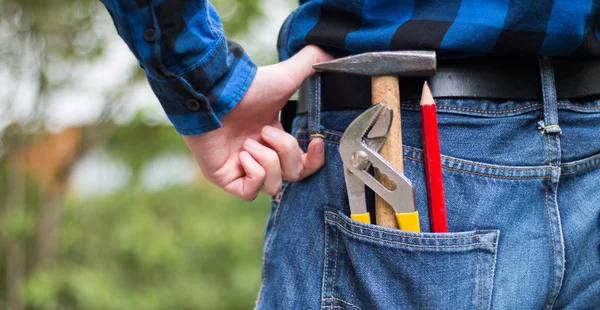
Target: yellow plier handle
{"type": "Point", "coordinates": [406, 221]}
{"type": "Point", "coordinates": [365, 217]}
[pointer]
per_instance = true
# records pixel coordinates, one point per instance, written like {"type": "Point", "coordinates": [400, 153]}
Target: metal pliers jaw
{"type": "Point", "coordinates": [359, 149]}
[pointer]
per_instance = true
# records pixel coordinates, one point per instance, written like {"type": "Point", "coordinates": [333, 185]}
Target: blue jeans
{"type": "Point", "coordinates": [522, 186]}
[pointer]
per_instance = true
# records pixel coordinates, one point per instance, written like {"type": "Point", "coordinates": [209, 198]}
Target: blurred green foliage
{"type": "Point", "coordinates": [189, 246]}
{"type": "Point", "coordinates": [183, 247]}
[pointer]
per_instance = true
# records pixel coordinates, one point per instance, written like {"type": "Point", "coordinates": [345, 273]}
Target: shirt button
{"type": "Point", "coordinates": [149, 35]}
{"type": "Point", "coordinates": [192, 104]}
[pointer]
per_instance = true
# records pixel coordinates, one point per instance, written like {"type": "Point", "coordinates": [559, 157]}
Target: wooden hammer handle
{"type": "Point", "coordinates": [385, 89]}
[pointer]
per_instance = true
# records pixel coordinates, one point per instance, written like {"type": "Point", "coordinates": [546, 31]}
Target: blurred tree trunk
{"type": "Point", "coordinates": [15, 207]}
{"type": "Point", "coordinates": [49, 218]}
{"type": "Point", "coordinates": [48, 161]}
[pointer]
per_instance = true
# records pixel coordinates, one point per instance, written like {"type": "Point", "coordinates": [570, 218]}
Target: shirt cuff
{"type": "Point", "coordinates": [192, 112]}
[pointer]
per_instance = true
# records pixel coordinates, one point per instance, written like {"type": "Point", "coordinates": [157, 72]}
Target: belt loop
{"type": "Point", "coordinates": [314, 107]}
{"type": "Point", "coordinates": [550, 125]}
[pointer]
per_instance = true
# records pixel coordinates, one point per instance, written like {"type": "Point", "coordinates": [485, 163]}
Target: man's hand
{"type": "Point", "coordinates": [251, 153]}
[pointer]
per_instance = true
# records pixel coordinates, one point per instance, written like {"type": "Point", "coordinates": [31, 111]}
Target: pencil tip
{"type": "Point", "coordinates": [426, 96]}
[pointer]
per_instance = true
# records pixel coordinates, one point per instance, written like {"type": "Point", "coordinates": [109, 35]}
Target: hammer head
{"type": "Point", "coordinates": [398, 63]}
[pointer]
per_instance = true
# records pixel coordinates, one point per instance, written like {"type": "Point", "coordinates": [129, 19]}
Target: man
{"type": "Point", "coordinates": [518, 131]}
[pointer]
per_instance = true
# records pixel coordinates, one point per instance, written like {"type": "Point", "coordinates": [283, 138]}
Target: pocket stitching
{"type": "Point", "coordinates": [412, 245]}
{"type": "Point", "coordinates": [492, 270]}
{"type": "Point", "coordinates": [326, 276]}
{"type": "Point", "coordinates": [489, 175]}
{"type": "Point", "coordinates": [393, 233]}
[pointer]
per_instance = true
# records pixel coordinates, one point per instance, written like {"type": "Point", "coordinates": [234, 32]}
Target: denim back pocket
{"type": "Point", "coordinates": [373, 267]}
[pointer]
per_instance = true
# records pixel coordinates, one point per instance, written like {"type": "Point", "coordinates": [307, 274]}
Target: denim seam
{"type": "Point", "coordinates": [581, 170]}
{"type": "Point", "coordinates": [492, 271]}
{"type": "Point", "coordinates": [549, 151]}
{"type": "Point", "coordinates": [556, 289]}
{"type": "Point", "coordinates": [552, 93]}
{"type": "Point", "coordinates": [544, 89]}
{"type": "Point", "coordinates": [562, 244]}
{"type": "Point", "coordinates": [268, 242]}
{"type": "Point", "coordinates": [315, 126]}
{"type": "Point", "coordinates": [584, 165]}
{"type": "Point", "coordinates": [345, 302]}
{"type": "Point", "coordinates": [314, 105]}
{"type": "Point", "coordinates": [311, 108]}
{"type": "Point", "coordinates": [471, 163]}
{"type": "Point", "coordinates": [318, 104]}
{"type": "Point", "coordinates": [576, 107]}
{"type": "Point", "coordinates": [549, 95]}
{"type": "Point", "coordinates": [326, 272]}
{"type": "Point", "coordinates": [337, 241]}
{"type": "Point", "coordinates": [582, 162]}
{"type": "Point", "coordinates": [397, 234]}
{"type": "Point", "coordinates": [558, 152]}
{"type": "Point", "coordinates": [480, 295]}
{"type": "Point", "coordinates": [545, 94]}
{"type": "Point", "coordinates": [552, 240]}
{"type": "Point", "coordinates": [409, 244]}
{"type": "Point", "coordinates": [441, 107]}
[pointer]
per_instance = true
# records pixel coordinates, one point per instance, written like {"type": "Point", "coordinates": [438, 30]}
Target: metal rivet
{"type": "Point", "coordinates": [192, 104]}
{"type": "Point", "coordinates": [541, 125]}
{"type": "Point", "coordinates": [149, 35]}
{"type": "Point", "coordinates": [278, 196]}
{"type": "Point", "coordinates": [360, 160]}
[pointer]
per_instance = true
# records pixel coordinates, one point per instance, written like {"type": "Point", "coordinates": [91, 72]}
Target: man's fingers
{"type": "Point", "coordinates": [247, 187]}
{"type": "Point", "coordinates": [269, 161]}
{"type": "Point", "coordinates": [314, 159]}
{"type": "Point", "coordinates": [263, 166]}
{"type": "Point", "coordinates": [290, 154]}
{"type": "Point", "coordinates": [295, 165]}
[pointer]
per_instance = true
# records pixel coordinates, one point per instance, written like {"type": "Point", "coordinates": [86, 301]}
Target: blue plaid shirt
{"type": "Point", "coordinates": [199, 76]}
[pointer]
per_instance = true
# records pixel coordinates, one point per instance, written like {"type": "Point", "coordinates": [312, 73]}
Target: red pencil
{"type": "Point", "coordinates": [433, 162]}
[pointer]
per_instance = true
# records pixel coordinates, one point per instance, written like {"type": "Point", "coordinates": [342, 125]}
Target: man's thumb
{"type": "Point", "coordinates": [300, 66]}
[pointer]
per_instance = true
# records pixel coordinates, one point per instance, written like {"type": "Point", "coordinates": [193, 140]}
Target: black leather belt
{"type": "Point", "coordinates": [485, 77]}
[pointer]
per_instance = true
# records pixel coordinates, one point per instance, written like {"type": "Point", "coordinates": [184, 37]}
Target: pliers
{"type": "Point", "coordinates": [359, 149]}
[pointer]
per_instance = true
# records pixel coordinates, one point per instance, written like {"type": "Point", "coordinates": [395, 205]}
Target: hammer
{"type": "Point", "coordinates": [384, 69]}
